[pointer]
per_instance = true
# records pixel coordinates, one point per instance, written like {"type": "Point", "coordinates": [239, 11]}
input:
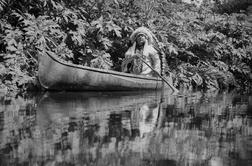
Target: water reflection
{"type": "Point", "coordinates": [125, 129]}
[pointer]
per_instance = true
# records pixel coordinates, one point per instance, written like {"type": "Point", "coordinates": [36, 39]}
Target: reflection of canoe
{"type": "Point", "coordinates": [57, 75]}
{"type": "Point", "coordinates": [76, 104]}
{"type": "Point", "coordinates": [89, 102]}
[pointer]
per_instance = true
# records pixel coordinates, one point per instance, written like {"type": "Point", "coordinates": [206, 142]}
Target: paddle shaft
{"type": "Point", "coordinates": [171, 86]}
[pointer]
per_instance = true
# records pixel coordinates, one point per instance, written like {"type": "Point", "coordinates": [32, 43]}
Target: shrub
{"type": "Point", "coordinates": [203, 48]}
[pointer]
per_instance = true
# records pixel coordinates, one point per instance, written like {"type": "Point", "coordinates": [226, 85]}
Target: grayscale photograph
{"type": "Point", "coordinates": [125, 82]}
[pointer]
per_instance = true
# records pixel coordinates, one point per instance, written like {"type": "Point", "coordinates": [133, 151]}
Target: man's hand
{"type": "Point", "coordinates": [137, 56]}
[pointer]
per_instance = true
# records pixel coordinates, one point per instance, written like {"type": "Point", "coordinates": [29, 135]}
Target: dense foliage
{"type": "Point", "coordinates": [204, 49]}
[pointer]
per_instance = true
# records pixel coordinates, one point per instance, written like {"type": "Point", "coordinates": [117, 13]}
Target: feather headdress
{"type": "Point", "coordinates": [143, 31]}
{"type": "Point", "coordinates": [152, 39]}
{"type": "Point", "coordinates": [148, 46]}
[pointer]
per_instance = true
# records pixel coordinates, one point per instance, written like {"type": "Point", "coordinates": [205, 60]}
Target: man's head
{"type": "Point", "coordinates": [141, 39]}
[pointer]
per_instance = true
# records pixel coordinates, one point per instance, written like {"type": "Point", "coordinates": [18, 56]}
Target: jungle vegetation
{"type": "Point", "coordinates": [207, 47]}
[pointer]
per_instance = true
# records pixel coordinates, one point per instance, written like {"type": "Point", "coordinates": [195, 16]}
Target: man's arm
{"type": "Point", "coordinates": [156, 62]}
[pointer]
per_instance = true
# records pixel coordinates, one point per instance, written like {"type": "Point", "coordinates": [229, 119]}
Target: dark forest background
{"type": "Point", "coordinates": [206, 47]}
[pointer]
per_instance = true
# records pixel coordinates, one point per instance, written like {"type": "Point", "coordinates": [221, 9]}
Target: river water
{"type": "Point", "coordinates": [126, 129]}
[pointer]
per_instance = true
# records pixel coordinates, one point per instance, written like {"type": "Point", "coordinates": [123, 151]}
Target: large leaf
{"type": "Point", "coordinates": [106, 43]}
{"type": "Point", "coordinates": [98, 24]}
{"type": "Point", "coordinates": [197, 79]}
{"type": "Point", "coordinates": [114, 28]}
{"type": "Point", "coordinates": [2, 4]}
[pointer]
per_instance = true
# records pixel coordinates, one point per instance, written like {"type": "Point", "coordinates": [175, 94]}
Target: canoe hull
{"type": "Point", "coordinates": [57, 75]}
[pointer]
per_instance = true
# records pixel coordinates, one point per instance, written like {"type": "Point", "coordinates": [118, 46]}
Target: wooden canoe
{"type": "Point", "coordinates": [55, 74]}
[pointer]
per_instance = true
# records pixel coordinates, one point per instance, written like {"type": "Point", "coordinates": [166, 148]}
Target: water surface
{"type": "Point", "coordinates": [126, 129]}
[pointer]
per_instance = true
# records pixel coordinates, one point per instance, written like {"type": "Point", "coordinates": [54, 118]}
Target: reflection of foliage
{"type": "Point", "coordinates": [203, 48]}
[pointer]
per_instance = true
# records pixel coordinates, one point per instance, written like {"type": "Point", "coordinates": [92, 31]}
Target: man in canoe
{"type": "Point", "coordinates": [142, 57]}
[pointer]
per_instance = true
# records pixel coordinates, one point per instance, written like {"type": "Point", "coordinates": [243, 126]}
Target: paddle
{"type": "Point", "coordinates": [175, 90]}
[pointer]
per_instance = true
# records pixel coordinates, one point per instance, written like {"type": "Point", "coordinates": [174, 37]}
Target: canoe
{"type": "Point", "coordinates": [55, 74]}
